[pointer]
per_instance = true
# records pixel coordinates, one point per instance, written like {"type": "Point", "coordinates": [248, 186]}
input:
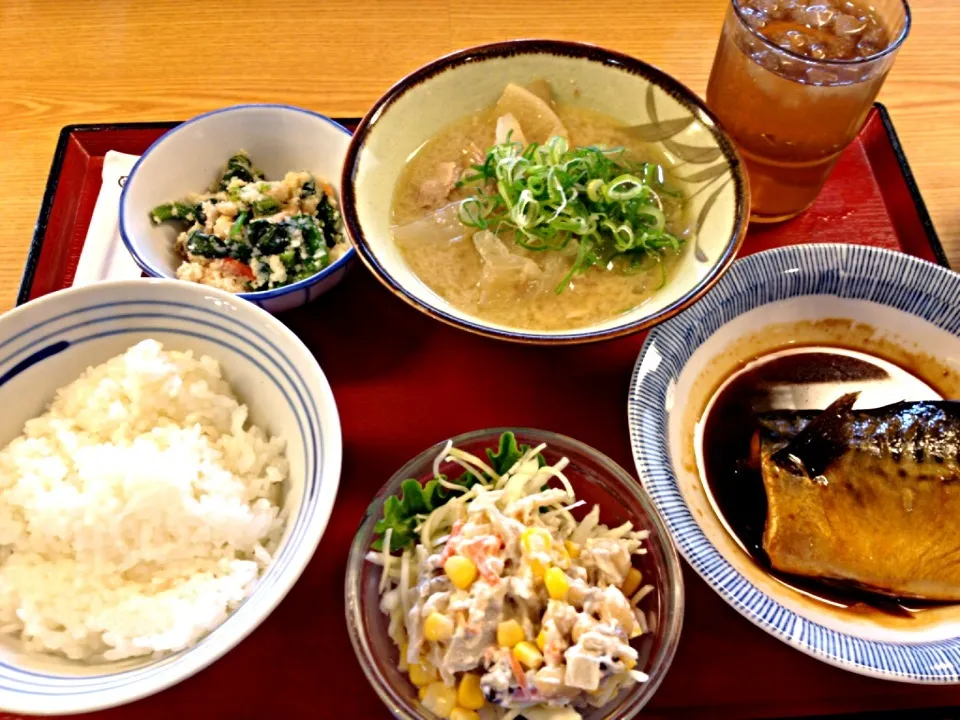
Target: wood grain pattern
{"type": "Point", "coordinates": [93, 61]}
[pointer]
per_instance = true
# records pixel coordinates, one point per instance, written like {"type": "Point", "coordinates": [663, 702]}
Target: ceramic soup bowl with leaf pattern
{"type": "Point", "coordinates": [657, 109]}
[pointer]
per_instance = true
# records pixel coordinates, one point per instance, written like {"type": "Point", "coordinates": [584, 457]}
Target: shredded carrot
{"type": "Point", "coordinates": [552, 653]}
{"type": "Point", "coordinates": [518, 672]}
{"type": "Point", "coordinates": [489, 576]}
{"type": "Point", "coordinates": [451, 547]}
{"type": "Point", "coordinates": [235, 267]}
{"type": "Point", "coordinates": [479, 551]}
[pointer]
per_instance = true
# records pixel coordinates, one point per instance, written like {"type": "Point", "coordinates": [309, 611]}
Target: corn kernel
{"type": "Point", "coordinates": [402, 664]}
{"type": "Point", "coordinates": [460, 713]}
{"type": "Point", "coordinates": [629, 663]}
{"type": "Point", "coordinates": [423, 673]}
{"type": "Point", "coordinates": [542, 639]}
{"type": "Point", "coordinates": [527, 655]}
{"type": "Point", "coordinates": [509, 633]}
{"type": "Point", "coordinates": [461, 571]}
{"type": "Point", "coordinates": [440, 699]}
{"type": "Point", "coordinates": [538, 569]}
{"type": "Point", "coordinates": [437, 628]}
{"type": "Point", "coordinates": [632, 582]}
{"type": "Point", "coordinates": [536, 540]}
{"type": "Point", "coordinates": [469, 694]}
{"type": "Point", "coordinates": [557, 583]}
{"type": "Point", "coordinates": [422, 692]}
{"type": "Point", "coordinates": [573, 550]}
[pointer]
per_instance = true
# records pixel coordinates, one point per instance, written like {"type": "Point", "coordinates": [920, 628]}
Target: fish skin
{"type": "Point", "coordinates": [867, 498]}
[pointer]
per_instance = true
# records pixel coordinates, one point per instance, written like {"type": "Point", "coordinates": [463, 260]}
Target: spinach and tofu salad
{"type": "Point", "coordinates": [249, 233]}
{"type": "Point", "coordinates": [503, 604]}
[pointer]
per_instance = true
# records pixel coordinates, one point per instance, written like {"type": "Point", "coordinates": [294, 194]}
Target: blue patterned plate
{"type": "Point", "coordinates": [766, 300]}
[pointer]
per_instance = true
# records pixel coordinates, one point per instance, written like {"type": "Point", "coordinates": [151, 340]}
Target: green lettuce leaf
{"type": "Point", "coordinates": [400, 513]}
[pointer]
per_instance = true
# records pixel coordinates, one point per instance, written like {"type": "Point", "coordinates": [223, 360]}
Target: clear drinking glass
{"type": "Point", "coordinates": [792, 115]}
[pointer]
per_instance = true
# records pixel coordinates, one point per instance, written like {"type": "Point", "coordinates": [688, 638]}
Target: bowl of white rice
{"type": "Point", "coordinates": [169, 458]}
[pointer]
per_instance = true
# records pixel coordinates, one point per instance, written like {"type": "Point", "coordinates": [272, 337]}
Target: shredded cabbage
{"type": "Point", "coordinates": [515, 526]}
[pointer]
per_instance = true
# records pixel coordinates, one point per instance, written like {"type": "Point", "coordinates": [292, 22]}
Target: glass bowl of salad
{"type": "Point", "coordinates": [513, 572]}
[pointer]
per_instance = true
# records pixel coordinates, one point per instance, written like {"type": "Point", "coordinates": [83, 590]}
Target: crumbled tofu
{"type": "Point", "coordinates": [227, 207]}
{"type": "Point", "coordinates": [211, 273]}
{"type": "Point", "coordinates": [221, 228]}
{"type": "Point", "coordinates": [250, 193]}
{"type": "Point", "coordinates": [279, 191]}
{"type": "Point", "coordinates": [308, 205]}
{"type": "Point", "coordinates": [210, 212]}
{"type": "Point", "coordinates": [278, 271]}
{"type": "Point", "coordinates": [583, 671]}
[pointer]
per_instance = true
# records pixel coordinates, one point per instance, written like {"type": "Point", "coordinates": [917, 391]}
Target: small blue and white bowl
{"type": "Point", "coordinates": [279, 138]}
{"type": "Point", "coordinates": [888, 298]}
{"type": "Point", "coordinates": [49, 342]}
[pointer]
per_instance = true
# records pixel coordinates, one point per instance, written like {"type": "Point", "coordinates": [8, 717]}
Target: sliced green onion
{"type": "Point", "coordinates": [625, 187]}
{"type": "Point", "coordinates": [594, 188]}
{"type": "Point", "coordinates": [526, 212]}
{"type": "Point", "coordinates": [652, 211]}
{"type": "Point", "coordinates": [544, 195]}
{"type": "Point", "coordinates": [471, 213]}
{"type": "Point", "coordinates": [237, 228]}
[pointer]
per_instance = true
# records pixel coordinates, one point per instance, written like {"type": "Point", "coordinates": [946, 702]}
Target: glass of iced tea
{"type": "Point", "coordinates": [792, 83]}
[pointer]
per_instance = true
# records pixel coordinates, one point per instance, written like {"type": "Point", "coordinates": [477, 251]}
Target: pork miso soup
{"type": "Point", "coordinates": [538, 215]}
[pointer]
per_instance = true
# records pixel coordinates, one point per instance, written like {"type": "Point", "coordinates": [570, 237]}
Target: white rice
{"type": "Point", "coordinates": [138, 511]}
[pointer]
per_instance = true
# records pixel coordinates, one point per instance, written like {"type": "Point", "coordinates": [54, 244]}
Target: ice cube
{"type": "Point", "coordinates": [874, 34]}
{"type": "Point", "coordinates": [821, 76]}
{"type": "Point", "coordinates": [842, 47]}
{"type": "Point", "coordinates": [845, 24]}
{"type": "Point", "coordinates": [770, 8]}
{"type": "Point", "coordinates": [865, 49]}
{"type": "Point", "coordinates": [797, 14]}
{"type": "Point", "coordinates": [796, 41]}
{"type": "Point", "coordinates": [766, 59]}
{"type": "Point", "coordinates": [792, 69]}
{"type": "Point", "coordinates": [818, 16]}
{"type": "Point", "coordinates": [850, 74]}
{"type": "Point", "coordinates": [753, 19]}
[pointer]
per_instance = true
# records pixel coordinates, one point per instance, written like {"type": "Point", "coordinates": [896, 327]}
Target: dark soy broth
{"type": "Point", "coordinates": [805, 378]}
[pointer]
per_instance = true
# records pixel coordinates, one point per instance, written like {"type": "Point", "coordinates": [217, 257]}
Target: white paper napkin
{"type": "Point", "coordinates": [104, 256]}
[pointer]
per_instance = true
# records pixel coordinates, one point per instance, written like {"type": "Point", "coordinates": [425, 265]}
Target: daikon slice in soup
{"type": "Point", "coordinates": [539, 215]}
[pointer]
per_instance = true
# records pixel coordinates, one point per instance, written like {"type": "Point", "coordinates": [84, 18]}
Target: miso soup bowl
{"type": "Point", "coordinates": [191, 156]}
{"type": "Point", "coordinates": [661, 111]}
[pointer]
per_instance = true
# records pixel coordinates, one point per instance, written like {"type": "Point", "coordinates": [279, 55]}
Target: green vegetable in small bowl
{"type": "Point", "coordinates": [250, 234]}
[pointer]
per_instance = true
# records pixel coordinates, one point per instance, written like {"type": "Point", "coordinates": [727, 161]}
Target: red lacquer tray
{"type": "Point", "coordinates": [403, 382]}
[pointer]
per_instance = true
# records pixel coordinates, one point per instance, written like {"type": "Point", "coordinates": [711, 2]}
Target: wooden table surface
{"type": "Point", "coordinates": [94, 61]}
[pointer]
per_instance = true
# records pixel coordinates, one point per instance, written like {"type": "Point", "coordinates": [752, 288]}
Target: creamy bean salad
{"type": "Point", "coordinates": [501, 603]}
